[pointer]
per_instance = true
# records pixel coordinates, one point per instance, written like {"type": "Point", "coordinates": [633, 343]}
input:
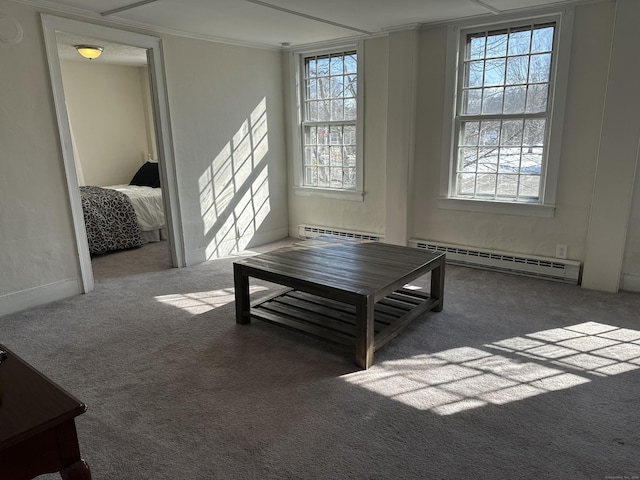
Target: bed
{"type": "Point", "coordinates": [119, 217]}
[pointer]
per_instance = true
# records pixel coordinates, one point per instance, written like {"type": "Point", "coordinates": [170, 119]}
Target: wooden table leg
{"type": "Point", "coordinates": [77, 471]}
{"type": "Point", "coordinates": [364, 331]}
{"type": "Point", "coordinates": [241, 289]}
{"type": "Point", "coordinates": [437, 285]}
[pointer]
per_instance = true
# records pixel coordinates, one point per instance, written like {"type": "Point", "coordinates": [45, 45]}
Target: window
{"type": "Point", "coordinates": [329, 128]}
{"type": "Point", "coordinates": [502, 148]}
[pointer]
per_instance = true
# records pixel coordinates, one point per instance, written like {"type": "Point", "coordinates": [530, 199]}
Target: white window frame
{"type": "Point", "coordinates": [297, 102]}
{"type": "Point", "coordinates": [560, 72]}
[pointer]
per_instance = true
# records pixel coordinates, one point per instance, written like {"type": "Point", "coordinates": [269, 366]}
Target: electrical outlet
{"type": "Point", "coordinates": [561, 251]}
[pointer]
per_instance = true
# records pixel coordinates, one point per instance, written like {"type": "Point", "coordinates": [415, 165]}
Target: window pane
{"type": "Point", "coordinates": [324, 176]}
{"type": "Point", "coordinates": [351, 63]}
{"type": "Point", "coordinates": [337, 65]}
{"type": "Point", "coordinates": [490, 133]}
{"type": "Point", "coordinates": [337, 109]}
{"type": "Point", "coordinates": [312, 111]}
{"type": "Point", "coordinates": [336, 178]}
{"type": "Point", "coordinates": [496, 44]}
{"type": "Point", "coordinates": [323, 135]}
{"type": "Point", "coordinates": [311, 176]}
{"type": "Point", "coordinates": [507, 186]}
{"type": "Point", "coordinates": [537, 96]}
{"type": "Point", "coordinates": [486, 184]}
{"type": "Point", "coordinates": [311, 67]}
{"type": "Point", "coordinates": [349, 134]}
{"type": "Point", "coordinates": [494, 72]}
{"type": "Point", "coordinates": [542, 40]}
{"type": "Point", "coordinates": [517, 70]}
{"type": "Point", "coordinates": [514, 99]}
{"type": "Point", "coordinates": [534, 131]}
{"type": "Point", "coordinates": [337, 88]}
{"type": "Point", "coordinates": [350, 109]}
{"type": "Point", "coordinates": [470, 132]}
{"type": "Point", "coordinates": [336, 156]}
{"type": "Point", "coordinates": [487, 159]}
{"type": "Point", "coordinates": [323, 155]}
{"type": "Point", "coordinates": [511, 132]}
{"type": "Point", "coordinates": [531, 160]}
{"type": "Point", "coordinates": [474, 74]}
{"type": "Point", "coordinates": [324, 110]}
{"type": "Point", "coordinates": [349, 178]}
{"type": "Point", "coordinates": [312, 89]}
{"type": "Point", "coordinates": [519, 42]}
{"type": "Point", "coordinates": [476, 47]}
{"type": "Point", "coordinates": [349, 156]}
{"type": "Point", "coordinates": [468, 160]}
{"type": "Point", "coordinates": [539, 68]}
{"type": "Point", "coordinates": [323, 66]}
{"type": "Point", "coordinates": [310, 136]}
{"type": "Point", "coordinates": [310, 156]}
{"type": "Point", "coordinates": [529, 187]}
{"type": "Point", "coordinates": [471, 102]}
{"type": "Point", "coordinates": [492, 100]}
{"type": "Point", "coordinates": [509, 160]}
{"type": "Point", "coordinates": [335, 135]}
{"type": "Point", "coordinates": [466, 183]}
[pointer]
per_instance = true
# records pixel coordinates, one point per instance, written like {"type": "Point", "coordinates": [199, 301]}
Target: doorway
{"type": "Point", "coordinates": [151, 45]}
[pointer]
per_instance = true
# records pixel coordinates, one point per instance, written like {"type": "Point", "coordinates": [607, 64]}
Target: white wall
{"type": "Point", "coordinates": [583, 116]}
{"type": "Point", "coordinates": [227, 116]}
{"type": "Point", "coordinates": [107, 110]}
{"type": "Point", "coordinates": [217, 94]}
{"type": "Point", "coordinates": [387, 61]}
{"type": "Point", "coordinates": [37, 255]}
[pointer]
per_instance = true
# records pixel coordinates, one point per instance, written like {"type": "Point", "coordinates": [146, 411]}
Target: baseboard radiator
{"type": "Point", "coordinates": [312, 231]}
{"type": "Point", "coordinates": [568, 271]}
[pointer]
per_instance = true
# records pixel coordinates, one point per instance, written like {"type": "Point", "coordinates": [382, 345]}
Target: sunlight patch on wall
{"type": "Point", "coordinates": [197, 303]}
{"type": "Point", "coordinates": [464, 378]}
{"type": "Point", "coordinates": [234, 190]}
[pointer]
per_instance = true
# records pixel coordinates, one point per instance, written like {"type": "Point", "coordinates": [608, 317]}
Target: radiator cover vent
{"type": "Point", "coordinates": [311, 231]}
{"type": "Point", "coordinates": [568, 271]}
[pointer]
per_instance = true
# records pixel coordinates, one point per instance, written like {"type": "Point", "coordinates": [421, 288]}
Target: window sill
{"type": "Point", "coordinates": [350, 195]}
{"type": "Point", "coordinates": [504, 208]}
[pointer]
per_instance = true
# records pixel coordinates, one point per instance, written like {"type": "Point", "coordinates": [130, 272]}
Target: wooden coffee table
{"type": "Point", "coordinates": [37, 426]}
{"type": "Point", "coordinates": [349, 293]}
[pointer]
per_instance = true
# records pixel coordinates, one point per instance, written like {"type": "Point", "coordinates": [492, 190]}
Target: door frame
{"type": "Point", "coordinates": [153, 45]}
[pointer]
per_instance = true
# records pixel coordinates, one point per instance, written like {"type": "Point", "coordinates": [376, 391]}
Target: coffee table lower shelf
{"type": "Point", "coordinates": [335, 321]}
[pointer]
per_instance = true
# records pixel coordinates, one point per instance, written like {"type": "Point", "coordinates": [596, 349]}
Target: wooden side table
{"type": "Point", "coordinates": [37, 424]}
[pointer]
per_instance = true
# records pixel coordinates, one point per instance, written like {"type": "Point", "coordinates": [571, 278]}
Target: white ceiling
{"type": "Point", "coordinates": [274, 23]}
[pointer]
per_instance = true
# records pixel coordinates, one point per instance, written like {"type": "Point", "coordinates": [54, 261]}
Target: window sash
{"type": "Point", "coordinates": [330, 160]}
{"type": "Point", "coordinates": [495, 171]}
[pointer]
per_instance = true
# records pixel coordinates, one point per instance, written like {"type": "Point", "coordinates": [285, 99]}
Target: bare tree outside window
{"type": "Point", "coordinates": [503, 113]}
{"type": "Point", "coordinates": [329, 120]}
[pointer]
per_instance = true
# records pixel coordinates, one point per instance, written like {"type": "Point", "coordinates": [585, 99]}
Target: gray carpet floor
{"type": "Point", "coordinates": [517, 378]}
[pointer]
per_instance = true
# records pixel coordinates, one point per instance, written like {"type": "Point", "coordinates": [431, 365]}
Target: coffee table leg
{"type": "Point", "coordinates": [437, 285]}
{"type": "Point", "coordinates": [241, 288]}
{"type": "Point", "coordinates": [364, 332]}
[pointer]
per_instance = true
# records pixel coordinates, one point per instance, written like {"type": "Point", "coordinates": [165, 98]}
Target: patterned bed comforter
{"type": "Point", "coordinates": [110, 220]}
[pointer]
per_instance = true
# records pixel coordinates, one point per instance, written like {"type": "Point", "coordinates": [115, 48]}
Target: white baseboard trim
{"type": "Point", "coordinates": [229, 247]}
{"type": "Point", "coordinates": [630, 283]}
{"type": "Point", "coordinates": [32, 297]}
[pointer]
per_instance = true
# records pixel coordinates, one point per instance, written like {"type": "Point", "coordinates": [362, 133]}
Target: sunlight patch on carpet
{"type": "Point", "coordinates": [464, 378]}
{"type": "Point", "coordinates": [197, 303]}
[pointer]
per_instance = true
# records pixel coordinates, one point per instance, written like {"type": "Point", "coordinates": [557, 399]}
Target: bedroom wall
{"type": "Point", "coordinates": [107, 108]}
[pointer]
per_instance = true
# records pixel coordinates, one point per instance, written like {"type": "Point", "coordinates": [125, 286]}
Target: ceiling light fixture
{"type": "Point", "coordinates": [89, 51]}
